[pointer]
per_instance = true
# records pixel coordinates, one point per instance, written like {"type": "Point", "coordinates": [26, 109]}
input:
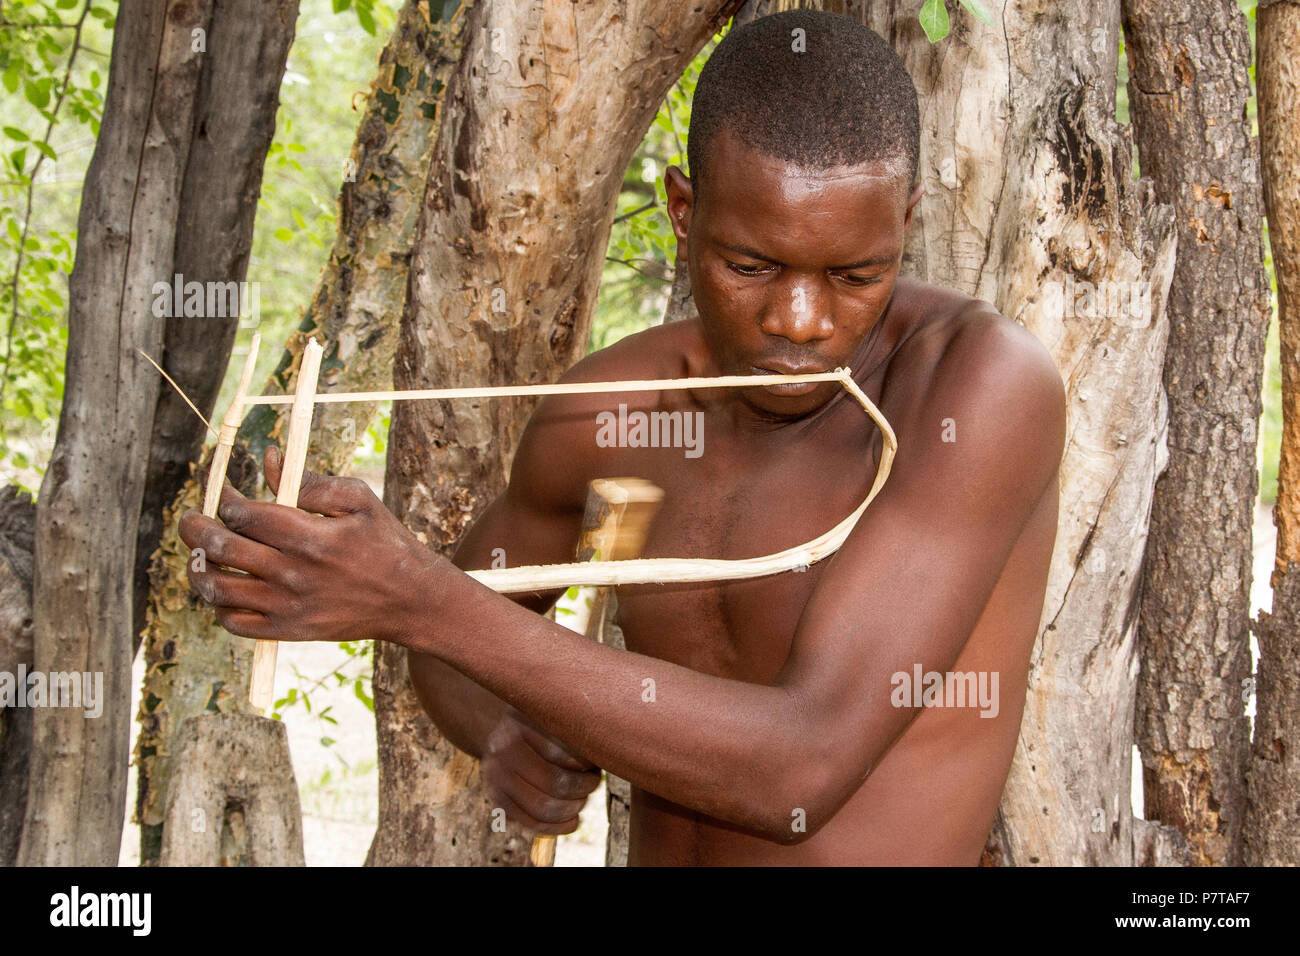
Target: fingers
{"type": "Point", "coordinates": [550, 749]}
{"type": "Point", "coordinates": [228, 589]}
{"type": "Point", "coordinates": [225, 546]}
{"type": "Point", "coordinates": [265, 522]}
{"type": "Point", "coordinates": [550, 779]}
{"type": "Point", "coordinates": [321, 494]}
{"type": "Point", "coordinates": [526, 804]}
{"type": "Point", "coordinates": [246, 623]}
{"type": "Point", "coordinates": [521, 816]}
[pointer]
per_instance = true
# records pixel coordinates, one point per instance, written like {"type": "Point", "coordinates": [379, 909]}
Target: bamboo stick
{"type": "Point", "coordinates": [262, 684]}
{"type": "Point", "coordinates": [229, 426]}
{"type": "Point", "coordinates": [619, 512]}
{"type": "Point", "coordinates": [654, 570]}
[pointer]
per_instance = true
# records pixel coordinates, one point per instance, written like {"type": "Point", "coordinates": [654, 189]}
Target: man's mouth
{"type": "Point", "coordinates": [789, 389]}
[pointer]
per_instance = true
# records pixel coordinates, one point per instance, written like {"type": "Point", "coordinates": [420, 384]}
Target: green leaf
{"type": "Point", "coordinates": [38, 95]}
{"type": "Point", "coordinates": [66, 4]}
{"type": "Point", "coordinates": [14, 133]}
{"type": "Point", "coordinates": [363, 696]}
{"type": "Point", "coordinates": [934, 20]}
{"type": "Point", "coordinates": [977, 7]}
{"type": "Point", "coordinates": [327, 741]}
{"type": "Point", "coordinates": [284, 235]}
{"type": "Point", "coordinates": [341, 5]}
{"type": "Point", "coordinates": [45, 148]}
{"type": "Point", "coordinates": [11, 79]}
{"type": "Point", "coordinates": [366, 19]}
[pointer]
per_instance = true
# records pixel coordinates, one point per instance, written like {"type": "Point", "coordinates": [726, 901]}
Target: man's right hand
{"type": "Point", "coordinates": [534, 778]}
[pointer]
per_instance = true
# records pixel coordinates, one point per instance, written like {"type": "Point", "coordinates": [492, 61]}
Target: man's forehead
{"type": "Point", "coordinates": [739, 172]}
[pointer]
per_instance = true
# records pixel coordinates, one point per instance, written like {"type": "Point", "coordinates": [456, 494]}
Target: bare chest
{"type": "Point", "coordinates": [740, 506]}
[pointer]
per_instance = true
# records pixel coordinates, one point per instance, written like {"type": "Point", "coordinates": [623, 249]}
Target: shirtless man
{"type": "Point", "coordinates": [780, 731]}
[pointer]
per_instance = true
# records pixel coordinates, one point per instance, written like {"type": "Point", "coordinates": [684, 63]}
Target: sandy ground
{"type": "Point", "coordinates": [339, 783]}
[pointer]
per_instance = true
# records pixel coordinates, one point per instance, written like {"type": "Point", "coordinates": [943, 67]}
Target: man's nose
{"type": "Point", "coordinates": [800, 313]}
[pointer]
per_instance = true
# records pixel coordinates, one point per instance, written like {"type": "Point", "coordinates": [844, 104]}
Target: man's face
{"type": "Point", "coordinates": [790, 268]}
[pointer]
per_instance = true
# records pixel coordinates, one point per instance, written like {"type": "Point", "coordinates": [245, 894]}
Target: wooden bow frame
{"type": "Point", "coordinates": [534, 577]}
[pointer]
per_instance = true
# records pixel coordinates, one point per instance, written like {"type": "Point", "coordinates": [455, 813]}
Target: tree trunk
{"type": "Point", "coordinates": [193, 665]}
{"type": "Point", "coordinates": [89, 506]}
{"type": "Point", "coordinates": [544, 112]}
{"type": "Point", "coordinates": [17, 528]}
{"type": "Point", "coordinates": [1188, 89]}
{"type": "Point", "coordinates": [239, 91]}
{"type": "Point", "coordinates": [1272, 830]}
{"type": "Point", "coordinates": [1029, 204]}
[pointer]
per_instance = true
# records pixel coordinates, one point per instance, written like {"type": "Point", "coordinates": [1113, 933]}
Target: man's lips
{"type": "Point", "coordinates": [789, 388]}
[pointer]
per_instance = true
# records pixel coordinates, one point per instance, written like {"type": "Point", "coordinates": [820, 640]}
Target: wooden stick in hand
{"type": "Point", "coordinates": [619, 511]}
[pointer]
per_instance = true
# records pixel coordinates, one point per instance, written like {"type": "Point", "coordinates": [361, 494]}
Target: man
{"type": "Point", "coordinates": [862, 711]}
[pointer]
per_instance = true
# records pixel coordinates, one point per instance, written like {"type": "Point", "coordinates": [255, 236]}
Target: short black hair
{"type": "Point", "coordinates": [846, 99]}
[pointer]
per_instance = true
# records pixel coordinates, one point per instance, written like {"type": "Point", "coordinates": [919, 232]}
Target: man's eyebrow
{"type": "Point", "coordinates": [882, 260]}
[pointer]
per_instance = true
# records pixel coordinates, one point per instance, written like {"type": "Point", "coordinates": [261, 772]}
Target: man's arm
{"type": "Point", "coordinates": [906, 588]}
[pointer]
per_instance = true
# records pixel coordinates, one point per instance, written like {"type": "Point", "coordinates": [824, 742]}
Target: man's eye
{"type": "Point", "coordinates": [860, 280]}
{"type": "Point", "coordinates": [746, 270]}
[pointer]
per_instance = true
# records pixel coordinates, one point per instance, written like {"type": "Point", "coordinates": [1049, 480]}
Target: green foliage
{"type": "Point", "coordinates": [51, 73]}
{"type": "Point", "coordinates": [934, 17]}
{"type": "Point", "coordinates": [639, 260]}
{"type": "Point", "coordinates": [354, 669]}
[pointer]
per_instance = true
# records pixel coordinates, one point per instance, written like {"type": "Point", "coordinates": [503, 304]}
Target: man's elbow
{"type": "Point", "coordinates": [805, 798]}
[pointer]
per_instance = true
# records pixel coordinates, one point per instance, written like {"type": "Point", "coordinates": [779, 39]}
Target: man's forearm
{"type": "Point", "coordinates": [463, 711]}
{"type": "Point", "coordinates": [733, 750]}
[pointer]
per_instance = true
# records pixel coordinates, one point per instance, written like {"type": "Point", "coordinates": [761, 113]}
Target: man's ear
{"type": "Point", "coordinates": [681, 201]}
{"type": "Point", "coordinates": [917, 191]}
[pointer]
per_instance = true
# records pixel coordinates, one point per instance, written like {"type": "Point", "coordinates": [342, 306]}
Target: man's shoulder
{"type": "Point", "coordinates": [980, 371]}
{"type": "Point", "coordinates": [972, 348]}
{"type": "Point", "coordinates": [657, 352]}
{"type": "Point", "coordinates": [561, 434]}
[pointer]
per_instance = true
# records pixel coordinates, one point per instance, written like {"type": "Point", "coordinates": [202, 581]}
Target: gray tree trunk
{"type": "Point", "coordinates": [89, 506]}
{"type": "Point", "coordinates": [195, 667]}
{"type": "Point", "coordinates": [1188, 89]}
{"type": "Point", "coordinates": [247, 45]}
{"type": "Point", "coordinates": [1272, 831]}
{"type": "Point", "coordinates": [503, 281]}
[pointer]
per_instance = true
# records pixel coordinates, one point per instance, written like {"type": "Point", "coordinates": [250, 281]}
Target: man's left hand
{"type": "Point", "coordinates": [338, 567]}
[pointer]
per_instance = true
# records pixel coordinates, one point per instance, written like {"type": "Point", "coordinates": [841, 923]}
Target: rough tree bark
{"type": "Point", "coordinates": [17, 530]}
{"type": "Point", "coordinates": [193, 666]}
{"type": "Point", "coordinates": [507, 261]}
{"type": "Point", "coordinates": [1188, 89]}
{"type": "Point", "coordinates": [1028, 196]}
{"type": "Point", "coordinates": [247, 43]}
{"type": "Point", "coordinates": [89, 506]}
{"type": "Point", "coordinates": [1272, 830]}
